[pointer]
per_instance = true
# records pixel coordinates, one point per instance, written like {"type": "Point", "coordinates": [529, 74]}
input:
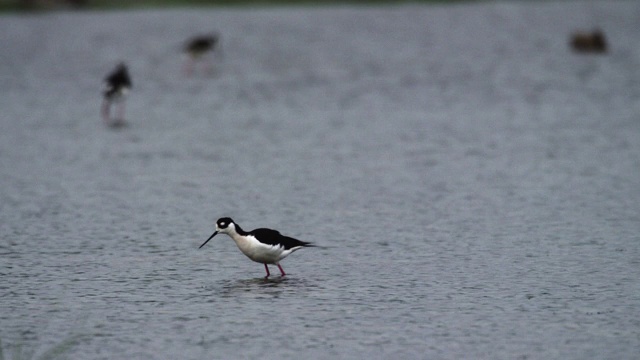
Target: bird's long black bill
{"type": "Point", "coordinates": [210, 237]}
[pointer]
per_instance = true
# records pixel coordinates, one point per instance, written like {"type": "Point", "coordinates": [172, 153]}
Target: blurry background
{"type": "Point", "coordinates": [57, 4]}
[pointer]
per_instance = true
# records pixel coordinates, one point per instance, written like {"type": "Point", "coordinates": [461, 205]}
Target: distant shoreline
{"type": "Point", "coordinates": [47, 5]}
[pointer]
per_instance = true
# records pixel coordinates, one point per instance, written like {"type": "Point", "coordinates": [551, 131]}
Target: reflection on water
{"type": "Point", "coordinates": [58, 350]}
{"type": "Point", "coordinates": [258, 287]}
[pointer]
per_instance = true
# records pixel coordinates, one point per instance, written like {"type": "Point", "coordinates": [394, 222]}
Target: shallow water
{"type": "Point", "coordinates": [472, 184]}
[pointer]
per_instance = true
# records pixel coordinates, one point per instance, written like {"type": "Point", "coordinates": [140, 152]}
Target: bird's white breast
{"type": "Point", "coordinates": [257, 251]}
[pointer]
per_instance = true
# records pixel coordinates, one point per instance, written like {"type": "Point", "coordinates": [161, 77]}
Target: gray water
{"type": "Point", "coordinates": [473, 185]}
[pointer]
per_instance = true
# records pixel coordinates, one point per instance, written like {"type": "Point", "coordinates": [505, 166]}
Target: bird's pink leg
{"type": "Point", "coordinates": [267, 268]}
{"type": "Point", "coordinates": [105, 110]}
{"type": "Point", "coordinates": [281, 271]}
{"type": "Point", "coordinates": [207, 65]}
{"type": "Point", "coordinates": [121, 111]}
{"type": "Point", "coordinates": [188, 66]}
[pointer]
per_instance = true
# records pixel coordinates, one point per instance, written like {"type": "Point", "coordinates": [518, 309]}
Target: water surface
{"type": "Point", "coordinates": [472, 184]}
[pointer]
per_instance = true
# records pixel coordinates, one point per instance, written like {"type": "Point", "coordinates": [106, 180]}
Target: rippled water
{"type": "Point", "coordinates": [472, 184]}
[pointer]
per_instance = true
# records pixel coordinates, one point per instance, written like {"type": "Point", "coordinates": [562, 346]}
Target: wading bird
{"type": "Point", "coordinates": [118, 83]}
{"type": "Point", "coordinates": [265, 246]}
{"type": "Point", "coordinates": [197, 48]}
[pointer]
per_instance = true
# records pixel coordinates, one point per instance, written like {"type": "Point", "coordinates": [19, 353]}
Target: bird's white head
{"type": "Point", "coordinates": [224, 225]}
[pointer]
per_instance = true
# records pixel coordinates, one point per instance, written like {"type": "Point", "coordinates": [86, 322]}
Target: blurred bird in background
{"type": "Point", "coordinates": [197, 48]}
{"type": "Point", "coordinates": [118, 84]}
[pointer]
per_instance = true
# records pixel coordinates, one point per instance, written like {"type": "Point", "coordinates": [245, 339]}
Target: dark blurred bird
{"type": "Point", "coordinates": [197, 48]}
{"type": "Point", "coordinates": [593, 42]}
{"type": "Point", "coordinates": [117, 84]}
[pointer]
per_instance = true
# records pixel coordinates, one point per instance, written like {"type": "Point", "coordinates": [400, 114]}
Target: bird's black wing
{"type": "Point", "coordinates": [119, 78]}
{"type": "Point", "coordinates": [273, 237]}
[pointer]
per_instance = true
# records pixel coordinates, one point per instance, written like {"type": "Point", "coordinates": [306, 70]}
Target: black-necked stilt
{"type": "Point", "coordinates": [593, 42]}
{"type": "Point", "coordinates": [197, 47]}
{"type": "Point", "coordinates": [265, 246]}
{"type": "Point", "coordinates": [118, 83]}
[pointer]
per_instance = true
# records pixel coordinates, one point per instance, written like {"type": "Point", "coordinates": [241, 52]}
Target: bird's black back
{"type": "Point", "coordinates": [119, 78]}
{"type": "Point", "coordinates": [201, 44]}
{"type": "Point", "coordinates": [273, 237]}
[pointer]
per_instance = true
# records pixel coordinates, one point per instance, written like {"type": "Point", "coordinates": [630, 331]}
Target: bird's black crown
{"type": "Point", "coordinates": [224, 222]}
